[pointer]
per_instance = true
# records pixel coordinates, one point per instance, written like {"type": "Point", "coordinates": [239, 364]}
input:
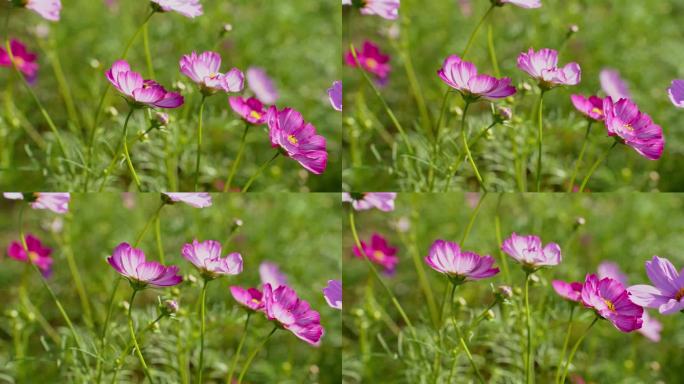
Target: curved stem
{"type": "Point", "coordinates": [199, 141]}
{"type": "Point", "coordinates": [596, 164]}
{"type": "Point", "coordinates": [481, 316]}
{"type": "Point", "coordinates": [581, 156]}
{"type": "Point", "coordinates": [462, 340]}
{"type": "Point", "coordinates": [442, 111]}
{"type": "Point", "coordinates": [574, 349]}
{"type": "Point", "coordinates": [121, 359]}
{"type": "Point", "coordinates": [540, 132]}
{"type": "Point", "coordinates": [565, 343]}
{"type": "Point", "coordinates": [529, 365]}
{"type": "Point", "coordinates": [258, 172]}
{"type": "Point", "coordinates": [253, 355]}
{"type": "Point", "coordinates": [492, 52]}
{"type": "Point", "coordinates": [474, 33]}
{"type": "Point", "coordinates": [135, 340]}
{"type": "Point", "coordinates": [105, 326]}
{"type": "Point", "coordinates": [467, 149]}
{"type": "Point", "coordinates": [147, 224]}
{"type": "Point", "coordinates": [157, 235]}
{"type": "Point", "coordinates": [236, 162]}
{"type": "Point", "coordinates": [203, 304]}
{"type": "Point", "coordinates": [148, 56]}
{"type": "Point", "coordinates": [239, 349]}
{"type": "Point", "coordinates": [124, 140]}
{"type": "Point", "coordinates": [116, 156]}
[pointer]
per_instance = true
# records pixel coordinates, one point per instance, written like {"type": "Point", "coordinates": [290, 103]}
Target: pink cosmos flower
{"type": "Point", "coordinates": [380, 252]}
{"type": "Point", "coordinates": [650, 328]}
{"type": "Point", "coordinates": [188, 8]}
{"type": "Point", "coordinates": [270, 274]}
{"type": "Point", "coordinates": [591, 107]}
{"type": "Point", "coordinates": [335, 95]}
{"type": "Point", "coordinates": [371, 59]}
{"type": "Point", "coordinates": [613, 85]}
{"type": "Point", "coordinates": [57, 202]}
{"type": "Point", "coordinates": [633, 127]}
{"type": "Point", "coordinates": [206, 257]}
{"type": "Point", "coordinates": [667, 290]}
{"type": "Point", "coordinates": [203, 69]}
{"type": "Point", "coordinates": [297, 139]}
{"type": "Point", "coordinates": [387, 9]}
{"type": "Point", "coordinates": [611, 301]}
{"type": "Point", "coordinates": [48, 9]}
{"type": "Point", "coordinates": [333, 294]}
{"type": "Point", "coordinates": [446, 257]}
{"type": "Point", "coordinates": [292, 313]}
{"type": "Point", "coordinates": [197, 200]}
{"type": "Point", "coordinates": [383, 201]}
{"type": "Point", "coordinates": [251, 298]}
{"type": "Point", "coordinates": [570, 291]}
{"type": "Point", "coordinates": [543, 66]}
{"type": "Point", "coordinates": [251, 110]}
{"type": "Point", "coordinates": [139, 92]}
{"type": "Point", "coordinates": [528, 251]}
{"type": "Point", "coordinates": [25, 61]}
{"type": "Point", "coordinates": [462, 76]}
{"type": "Point", "coordinates": [37, 254]}
{"type": "Point", "coordinates": [676, 92]}
{"type": "Point", "coordinates": [130, 262]}
{"type": "Point", "coordinates": [519, 3]}
{"type": "Point", "coordinates": [262, 85]}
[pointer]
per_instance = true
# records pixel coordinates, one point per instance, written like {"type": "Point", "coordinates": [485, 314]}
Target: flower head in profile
{"type": "Point", "coordinates": [632, 127]}
{"type": "Point", "coordinates": [130, 262]}
{"type": "Point", "coordinates": [383, 201]}
{"type": "Point", "coordinates": [270, 273]}
{"type": "Point", "coordinates": [188, 8]}
{"type": "Point", "coordinates": [387, 9]}
{"type": "Point", "coordinates": [37, 254]}
{"type": "Point", "coordinates": [206, 257]}
{"type": "Point", "coordinates": [462, 76]}
{"type": "Point", "coordinates": [283, 306]}
{"type": "Point", "coordinates": [371, 59]}
{"type": "Point", "coordinates": [569, 291]}
{"type": "Point", "coordinates": [543, 66]}
{"type": "Point", "coordinates": [519, 3]}
{"type": "Point", "coordinates": [251, 110]}
{"type": "Point", "coordinates": [138, 92]}
{"type": "Point", "coordinates": [335, 95]}
{"type": "Point", "coordinates": [379, 252]}
{"type": "Point", "coordinates": [193, 199]}
{"type": "Point", "coordinates": [47, 9]}
{"type": "Point", "coordinates": [297, 139]}
{"type": "Point", "coordinates": [610, 300]}
{"type": "Point", "coordinates": [333, 294]}
{"type": "Point", "coordinates": [676, 92]}
{"type": "Point", "coordinates": [591, 106]}
{"type": "Point", "coordinates": [529, 251]}
{"type": "Point", "coordinates": [446, 257]}
{"type": "Point", "coordinates": [250, 298]}
{"type": "Point", "coordinates": [262, 85]}
{"type": "Point", "coordinates": [57, 202]}
{"type": "Point", "coordinates": [204, 68]}
{"type": "Point", "coordinates": [24, 60]}
{"type": "Point", "coordinates": [667, 289]}
{"type": "Point", "coordinates": [613, 85]}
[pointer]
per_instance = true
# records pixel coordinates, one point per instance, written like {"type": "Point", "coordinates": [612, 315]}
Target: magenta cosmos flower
{"type": "Point", "coordinates": [676, 92]}
{"type": "Point", "coordinates": [203, 69]}
{"type": "Point", "coordinates": [37, 254]}
{"type": "Point", "coordinates": [251, 110]}
{"type": "Point", "coordinates": [25, 61]}
{"type": "Point", "coordinates": [543, 66]}
{"type": "Point", "coordinates": [387, 9]}
{"type": "Point", "coordinates": [57, 202]}
{"type": "Point", "coordinates": [591, 107]}
{"type": "Point", "coordinates": [297, 139]}
{"type": "Point", "coordinates": [262, 85]}
{"type": "Point", "coordinates": [667, 290]}
{"type": "Point", "coordinates": [269, 273]}
{"type": "Point", "coordinates": [371, 60]}
{"type": "Point", "coordinates": [528, 251]}
{"type": "Point", "coordinates": [611, 301]}
{"type": "Point", "coordinates": [335, 95]}
{"type": "Point", "coordinates": [632, 127]}
{"type": "Point", "coordinates": [570, 291]}
{"type": "Point", "coordinates": [251, 298]}
{"type": "Point", "coordinates": [333, 294]}
{"type": "Point", "coordinates": [383, 201]}
{"type": "Point", "coordinates": [380, 252]}
{"type": "Point", "coordinates": [446, 257]}
{"type": "Point", "coordinates": [48, 9]}
{"type": "Point", "coordinates": [130, 262]}
{"type": "Point", "coordinates": [197, 200]}
{"type": "Point", "coordinates": [188, 8]}
{"type": "Point", "coordinates": [462, 76]}
{"type": "Point", "coordinates": [141, 93]}
{"type": "Point", "coordinates": [206, 257]}
{"type": "Point", "coordinates": [283, 306]}
{"type": "Point", "coordinates": [519, 3]}
{"type": "Point", "coordinates": [613, 85]}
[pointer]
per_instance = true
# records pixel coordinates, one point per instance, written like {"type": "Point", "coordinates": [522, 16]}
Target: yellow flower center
{"type": "Point", "coordinates": [609, 304]}
{"type": "Point", "coordinates": [597, 111]}
{"type": "Point", "coordinates": [629, 127]}
{"type": "Point", "coordinates": [293, 140]}
{"type": "Point", "coordinates": [213, 75]}
{"type": "Point", "coordinates": [679, 294]}
{"type": "Point", "coordinates": [255, 115]}
{"type": "Point", "coordinates": [33, 256]}
{"type": "Point", "coordinates": [255, 301]}
{"type": "Point", "coordinates": [371, 63]}
{"type": "Point", "coordinates": [19, 61]}
{"type": "Point", "coordinates": [378, 255]}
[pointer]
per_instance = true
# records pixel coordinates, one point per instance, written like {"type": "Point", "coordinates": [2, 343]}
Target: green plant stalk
{"type": "Point", "coordinates": [253, 355]}
{"type": "Point", "coordinates": [471, 220]}
{"type": "Point", "coordinates": [492, 51]}
{"type": "Point", "coordinates": [78, 281]}
{"type": "Point", "coordinates": [464, 136]}
{"type": "Point", "coordinates": [157, 235]}
{"type": "Point", "coordinates": [540, 132]}
{"type": "Point", "coordinates": [117, 154]}
{"type": "Point", "coordinates": [105, 327]}
{"type": "Point", "coordinates": [129, 347]}
{"type": "Point", "coordinates": [529, 365]}
{"type": "Point", "coordinates": [471, 39]}
{"type": "Point", "coordinates": [565, 343]}
{"type": "Point", "coordinates": [149, 222]}
{"type": "Point", "coordinates": [580, 157]}
{"type": "Point", "coordinates": [233, 365]}
{"type": "Point", "coordinates": [124, 140]}
{"type": "Point", "coordinates": [258, 172]}
{"type": "Point", "coordinates": [62, 82]}
{"type": "Point", "coordinates": [135, 340]}
{"type": "Point", "coordinates": [574, 349]}
{"type": "Point", "coordinates": [416, 90]}
{"type": "Point", "coordinates": [236, 162]}
{"type": "Point", "coordinates": [462, 340]}
{"type": "Point", "coordinates": [203, 304]}
{"type": "Point", "coordinates": [481, 316]}
{"type": "Point", "coordinates": [199, 142]}
{"type": "Point", "coordinates": [148, 56]}
{"type": "Point", "coordinates": [596, 164]}
{"type": "Point", "coordinates": [499, 241]}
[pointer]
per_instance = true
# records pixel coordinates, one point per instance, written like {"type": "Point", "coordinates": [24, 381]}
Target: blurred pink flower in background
{"type": "Point", "coordinates": [250, 110]}
{"type": "Point", "coordinates": [335, 95]}
{"type": "Point", "coordinates": [383, 201]}
{"type": "Point", "coordinates": [38, 254]}
{"type": "Point", "coordinates": [613, 85]}
{"type": "Point", "coordinates": [25, 61]}
{"type": "Point", "coordinates": [371, 59]}
{"type": "Point", "coordinates": [57, 202]}
{"type": "Point", "coordinates": [379, 252]}
{"type": "Point", "coordinates": [188, 8]}
{"type": "Point", "coordinates": [262, 85]}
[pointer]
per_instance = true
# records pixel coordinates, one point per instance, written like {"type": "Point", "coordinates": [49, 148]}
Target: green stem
{"type": "Point", "coordinates": [78, 281]}
{"type": "Point", "coordinates": [62, 83]}
{"type": "Point", "coordinates": [236, 162]}
{"type": "Point", "coordinates": [462, 340]}
{"type": "Point", "coordinates": [239, 349]}
{"type": "Point", "coordinates": [565, 343]}
{"type": "Point", "coordinates": [148, 56]}
{"type": "Point", "coordinates": [117, 154]}
{"type": "Point", "coordinates": [499, 241]}
{"type": "Point", "coordinates": [147, 224]}
{"type": "Point", "coordinates": [529, 362]}
{"type": "Point", "coordinates": [442, 111]}
{"type": "Point", "coordinates": [199, 141]}
{"type": "Point", "coordinates": [596, 164]}
{"type": "Point", "coordinates": [105, 327]}
{"type": "Point", "coordinates": [258, 172]}
{"type": "Point", "coordinates": [253, 355]}
{"type": "Point", "coordinates": [203, 304]}
{"type": "Point", "coordinates": [135, 340]}
{"type": "Point", "coordinates": [474, 33]}
{"type": "Point", "coordinates": [574, 349]}
{"type": "Point", "coordinates": [124, 140]}
{"type": "Point", "coordinates": [415, 86]}
{"type": "Point", "coordinates": [581, 156]}
{"type": "Point", "coordinates": [467, 148]}
{"type": "Point", "coordinates": [157, 235]}
{"type": "Point", "coordinates": [492, 52]}
{"type": "Point", "coordinates": [481, 316]}
{"type": "Point", "coordinates": [471, 221]}
{"type": "Point", "coordinates": [122, 356]}
{"type": "Point", "coordinates": [540, 105]}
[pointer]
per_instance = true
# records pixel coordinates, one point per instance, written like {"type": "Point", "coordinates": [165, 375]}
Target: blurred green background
{"type": "Point", "coordinates": [296, 42]}
{"type": "Point", "coordinates": [277, 228]}
{"type": "Point", "coordinates": [641, 39]}
{"type": "Point", "coordinates": [625, 228]}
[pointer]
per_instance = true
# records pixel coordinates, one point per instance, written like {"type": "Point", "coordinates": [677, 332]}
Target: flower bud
{"type": "Point", "coordinates": [503, 114]}
{"type": "Point", "coordinates": [504, 292]}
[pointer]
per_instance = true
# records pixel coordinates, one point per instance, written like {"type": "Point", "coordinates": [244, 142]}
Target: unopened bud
{"type": "Point", "coordinates": [504, 292]}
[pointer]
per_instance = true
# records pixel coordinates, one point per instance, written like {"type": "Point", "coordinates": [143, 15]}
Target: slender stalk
{"type": "Point", "coordinates": [258, 172]}
{"type": "Point", "coordinates": [529, 364]}
{"type": "Point", "coordinates": [474, 33]}
{"type": "Point", "coordinates": [236, 162]}
{"type": "Point", "coordinates": [581, 156]}
{"type": "Point", "coordinates": [199, 141]}
{"type": "Point", "coordinates": [62, 83]}
{"type": "Point", "coordinates": [117, 154]}
{"type": "Point", "coordinates": [203, 304]}
{"type": "Point", "coordinates": [129, 346]}
{"type": "Point", "coordinates": [135, 340]}
{"type": "Point", "coordinates": [481, 316]}
{"type": "Point", "coordinates": [148, 56]}
{"type": "Point", "coordinates": [415, 85]}
{"type": "Point", "coordinates": [442, 111]}
{"type": "Point", "coordinates": [105, 327]}
{"type": "Point", "coordinates": [499, 241]}
{"type": "Point", "coordinates": [239, 349]}
{"type": "Point", "coordinates": [540, 132]}
{"type": "Point", "coordinates": [565, 343]}
{"type": "Point", "coordinates": [124, 140]}
{"type": "Point", "coordinates": [78, 281]}
{"type": "Point", "coordinates": [596, 164]}
{"type": "Point", "coordinates": [574, 349]}
{"type": "Point", "coordinates": [467, 148]}
{"type": "Point", "coordinates": [254, 353]}
{"type": "Point", "coordinates": [157, 235]}
{"type": "Point", "coordinates": [148, 223]}
{"type": "Point", "coordinates": [462, 340]}
{"type": "Point", "coordinates": [492, 52]}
